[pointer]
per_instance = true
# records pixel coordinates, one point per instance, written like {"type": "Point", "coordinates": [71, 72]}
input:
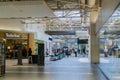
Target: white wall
{"type": "Point", "coordinates": [11, 24]}
{"type": "Point", "coordinates": [39, 29]}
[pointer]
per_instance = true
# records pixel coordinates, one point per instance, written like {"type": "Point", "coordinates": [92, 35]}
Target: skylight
{"type": "Point", "coordinates": [68, 15]}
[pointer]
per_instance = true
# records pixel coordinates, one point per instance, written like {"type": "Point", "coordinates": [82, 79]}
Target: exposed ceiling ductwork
{"type": "Point", "coordinates": [68, 14]}
{"type": "Point", "coordinates": [78, 12]}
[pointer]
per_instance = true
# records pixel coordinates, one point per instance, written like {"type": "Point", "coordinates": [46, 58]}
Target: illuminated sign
{"type": "Point", "coordinates": [12, 35]}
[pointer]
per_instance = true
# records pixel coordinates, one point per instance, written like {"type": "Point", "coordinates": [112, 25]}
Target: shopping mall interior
{"type": "Point", "coordinates": [59, 39]}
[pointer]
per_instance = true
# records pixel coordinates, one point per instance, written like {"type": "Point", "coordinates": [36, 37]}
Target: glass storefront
{"type": "Point", "coordinates": [110, 46]}
{"type": "Point", "coordinates": [110, 32]}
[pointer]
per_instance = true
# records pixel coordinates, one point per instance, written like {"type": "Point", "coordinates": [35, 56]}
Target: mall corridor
{"type": "Point", "coordinates": [72, 68]}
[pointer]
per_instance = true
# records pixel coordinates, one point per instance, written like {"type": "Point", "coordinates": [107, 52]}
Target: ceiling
{"type": "Point", "coordinates": [71, 15]}
{"type": "Point", "coordinates": [24, 9]}
{"type": "Point", "coordinates": [15, 12]}
{"type": "Point", "coordinates": [59, 15]}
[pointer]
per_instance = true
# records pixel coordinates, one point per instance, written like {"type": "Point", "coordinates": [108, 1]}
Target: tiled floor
{"type": "Point", "coordinates": [65, 69]}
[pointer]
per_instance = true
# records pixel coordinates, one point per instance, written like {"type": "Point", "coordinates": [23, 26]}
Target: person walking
{"type": "Point", "coordinates": [75, 52]}
{"type": "Point", "coordinates": [29, 52]}
{"type": "Point", "coordinates": [29, 56]}
{"type": "Point", "coordinates": [84, 51]}
{"type": "Point", "coordinates": [47, 52]}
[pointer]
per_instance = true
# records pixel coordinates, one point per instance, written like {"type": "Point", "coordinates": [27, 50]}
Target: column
{"type": "Point", "coordinates": [20, 47]}
{"type": "Point", "coordinates": [31, 43]}
{"type": "Point", "coordinates": [94, 45]}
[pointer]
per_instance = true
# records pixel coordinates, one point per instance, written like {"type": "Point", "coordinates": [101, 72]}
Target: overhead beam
{"type": "Point", "coordinates": [60, 32]}
{"type": "Point", "coordinates": [75, 9]}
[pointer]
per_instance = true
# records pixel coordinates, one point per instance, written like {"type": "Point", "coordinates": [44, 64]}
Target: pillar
{"type": "Point", "coordinates": [31, 43]}
{"type": "Point", "coordinates": [20, 47]}
{"type": "Point", "coordinates": [94, 45]}
{"type": "Point", "coordinates": [94, 37]}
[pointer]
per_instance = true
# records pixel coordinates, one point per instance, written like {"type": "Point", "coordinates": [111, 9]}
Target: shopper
{"type": "Point", "coordinates": [84, 51]}
{"type": "Point", "coordinates": [29, 52]}
{"type": "Point", "coordinates": [24, 52]}
{"type": "Point", "coordinates": [106, 52]}
{"type": "Point", "coordinates": [47, 52]}
{"type": "Point", "coordinates": [29, 56]}
{"type": "Point", "coordinates": [75, 52]}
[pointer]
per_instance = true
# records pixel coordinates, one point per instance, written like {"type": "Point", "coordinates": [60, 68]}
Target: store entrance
{"type": "Point", "coordinates": [12, 48]}
{"type": "Point", "coordinates": [38, 57]}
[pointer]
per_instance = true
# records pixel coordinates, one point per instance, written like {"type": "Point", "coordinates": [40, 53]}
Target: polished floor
{"type": "Point", "coordinates": [110, 66]}
{"type": "Point", "coordinates": [72, 68]}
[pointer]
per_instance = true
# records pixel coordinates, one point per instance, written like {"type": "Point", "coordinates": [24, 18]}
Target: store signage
{"type": "Point", "coordinates": [72, 40]}
{"type": "Point", "coordinates": [12, 35]}
{"type": "Point", "coordinates": [50, 39]}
